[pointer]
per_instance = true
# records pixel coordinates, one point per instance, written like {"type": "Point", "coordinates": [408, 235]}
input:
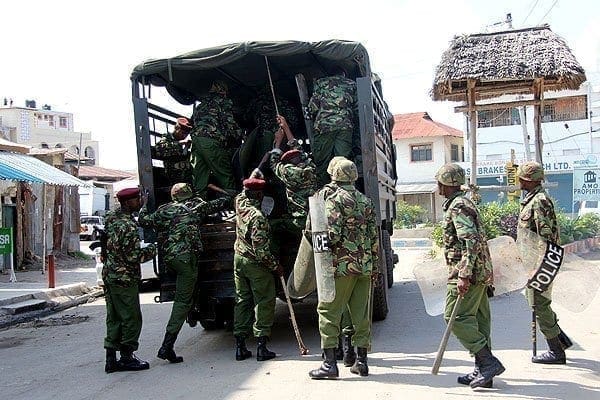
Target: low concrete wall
{"type": "Point", "coordinates": [582, 246]}
{"type": "Point", "coordinates": [413, 233]}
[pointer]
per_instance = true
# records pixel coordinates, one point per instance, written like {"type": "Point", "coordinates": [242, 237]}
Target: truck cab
{"type": "Point", "coordinates": [292, 67]}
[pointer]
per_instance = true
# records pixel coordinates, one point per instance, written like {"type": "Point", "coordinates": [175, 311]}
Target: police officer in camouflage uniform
{"type": "Point", "coordinates": [175, 156]}
{"type": "Point", "coordinates": [178, 228]}
{"type": "Point", "coordinates": [121, 275]}
{"type": "Point", "coordinates": [297, 172]}
{"type": "Point", "coordinates": [334, 109]}
{"type": "Point", "coordinates": [537, 214]}
{"type": "Point", "coordinates": [261, 111]}
{"type": "Point", "coordinates": [214, 135]}
{"type": "Point", "coordinates": [469, 276]}
{"type": "Point", "coordinates": [354, 243]}
{"type": "Point", "coordinates": [253, 268]}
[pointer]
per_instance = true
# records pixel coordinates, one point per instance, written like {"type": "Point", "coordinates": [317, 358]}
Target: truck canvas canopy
{"type": "Point", "coordinates": [242, 67]}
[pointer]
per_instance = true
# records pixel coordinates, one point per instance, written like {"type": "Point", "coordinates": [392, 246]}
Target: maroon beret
{"type": "Point", "coordinates": [129, 193]}
{"type": "Point", "coordinates": [288, 155]}
{"type": "Point", "coordinates": [254, 184]}
{"type": "Point", "coordinates": [184, 123]}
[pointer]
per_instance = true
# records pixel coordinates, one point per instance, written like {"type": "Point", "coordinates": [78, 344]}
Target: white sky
{"type": "Point", "coordinates": [77, 55]}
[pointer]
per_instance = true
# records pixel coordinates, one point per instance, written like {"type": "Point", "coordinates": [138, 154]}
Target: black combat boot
{"type": "Point", "coordinates": [489, 367]}
{"type": "Point", "coordinates": [111, 365]}
{"type": "Point", "coordinates": [328, 369]}
{"type": "Point", "coordinates": [360, 366]}
{"type": "Point", "coordinates": [241, 351]}
{"type": "Point", "coordinates": [262, 353]}
{"type": "Point", "coordinates": [468, 378]}
{"type": "Point", "coordinates": [339, 351]}
{"type": "Point", "coordinates": [349, 353]}
{"type": "Point", "coordinates": [129, 361]}
{"type": "Point", "coordinates": [554, 355]}
{"type": "Point", "coordinates": [564, 340]}
{"type": "Point", "coordinates": [166, 351]}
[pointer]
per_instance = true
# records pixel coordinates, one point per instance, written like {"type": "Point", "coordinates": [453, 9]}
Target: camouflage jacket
{"type": "Point", "coordinates": [353, 236]}
{"type": "Point", "coordinates": [537, 214]}
{"type": "Point", "coordinates": [262, 112]}
{"type": "Point", "coordinates": [124, 254]}
{"type": "Point", "coordinates": [253, 233]}
{"type": "Point", "coordinates": [177, 224]}
{"type": "Point", "coordinates": [333, 105]}
{"type": "Point", "coordinates": [176, 159]}
{"type": "Point", "coordinates": [300, 182]}
{"type": "Point", "coordinates": [465, 245]}
{"type": "Point", "coordinates": [213, 118]}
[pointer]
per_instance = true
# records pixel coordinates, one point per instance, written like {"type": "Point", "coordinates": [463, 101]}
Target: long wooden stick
{"type": "Point", "coordinates": [444, 342]}
{"type": "Point", "coordinates": [301, 345]}
{"type": "Point", "coordinates": [271, 85]}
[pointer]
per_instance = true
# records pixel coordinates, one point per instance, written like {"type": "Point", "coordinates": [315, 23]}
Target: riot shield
{"type": "Point", "coordinates": [322, 253]}
{"type": "Point", "coordinates": [574, 287]}
{"type": "Point", "coordinates": [302, 281]}
{"type": "Point", "coordinates": [509, 273]}
{"type": "Point", "coordinates": [432, 278]}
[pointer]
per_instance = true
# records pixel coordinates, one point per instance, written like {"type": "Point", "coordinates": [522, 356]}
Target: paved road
{"type": "Point", "coordinates": [62, 357]}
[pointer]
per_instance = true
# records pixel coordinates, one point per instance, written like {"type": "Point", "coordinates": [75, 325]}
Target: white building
{"type": "Point", "coordinates": [46, 128]}
{"type": "Point", "coordinates": [422, 147]}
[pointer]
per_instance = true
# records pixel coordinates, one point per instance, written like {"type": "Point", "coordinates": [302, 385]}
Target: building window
{"type": "Point", "coordinates": [74, 149]}
{"type": "Point", "coordinates": [62, 122]}
{"type": "Point", "coordinates": [454, 155]}
{"type": "Point", "coordinates": [89, 152]}
{"type": "Point", "coordinates": [565, 109]}
{"type": "Point", "coordinates": [499, 117]}
{"type": "Point", "coordinates": [421, 152]}
{"type": "Point", "coordinates": [462, 153]}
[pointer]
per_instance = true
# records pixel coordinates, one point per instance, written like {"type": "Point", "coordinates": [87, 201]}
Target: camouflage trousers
{"type": "Point", "coordinates": [546, 318]}
{"type": "Point", "coordinates": [346, 323]}
{"type": "Point", "coordinates": [123, 316]}
{"type": "Point", "coordinates": [328, 144]}
{"type": "Point", "coordinates": [254, 298]}
{"type": "Point", "coordinates": [472, 326]}
{"type": "Point", "coordinates": [352, 295]}
{"type": "Point", "coordinates": [208, 156]}
{"type": "Point", "coordinates": [186, 270]}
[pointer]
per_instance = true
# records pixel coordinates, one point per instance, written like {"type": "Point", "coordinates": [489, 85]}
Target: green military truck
{"type": "Point", "coordinates": [293, 66]}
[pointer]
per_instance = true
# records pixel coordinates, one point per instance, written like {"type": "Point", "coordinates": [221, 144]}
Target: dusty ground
{"type": "Point", "coordinates": [62, 357]}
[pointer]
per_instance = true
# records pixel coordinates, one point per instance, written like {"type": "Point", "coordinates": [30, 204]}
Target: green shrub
{"type": "Point", "coordinates": [408, 215]}
{"type": "Point", "coordinates": [501, 219]}
{"type": "Point", "coordinates": [437, 235]}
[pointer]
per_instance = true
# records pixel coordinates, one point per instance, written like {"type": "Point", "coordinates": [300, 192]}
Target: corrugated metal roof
{"type": "Point", "coordinates": [21, 167]}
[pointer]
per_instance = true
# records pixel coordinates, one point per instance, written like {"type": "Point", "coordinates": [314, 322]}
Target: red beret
{"type": "Point", "coordinates": [254, 184]}
{"type": "Point", "coordinates": [184, 123]}
{"type": "Point", "coordinates": [129, 193]}
{"type": "Point", "coordinates": [288, 155]}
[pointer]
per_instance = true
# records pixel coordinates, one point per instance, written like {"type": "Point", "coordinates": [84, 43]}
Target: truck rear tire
{"type": "Point", "coordinates": [380, 301]}
{"type": "Point", "coordinates": [211, 324]}
{"type": "Point", "coordinates": [389, 257]}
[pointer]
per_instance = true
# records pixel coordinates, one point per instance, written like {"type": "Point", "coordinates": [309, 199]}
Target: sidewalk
{"type": "Point", "coordinates": [30, 296]}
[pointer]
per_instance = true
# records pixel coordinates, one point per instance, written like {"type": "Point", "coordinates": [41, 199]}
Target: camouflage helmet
{"type": "Point", "coordinates": [451, 175]}
{"type": "Point", "coordinates": [333, 163]}
{"type": "Point", "coordinates": [218, 87]}
{"type": "Point", "coordinates": [531, 171]}
{"type": "Point", "coordinates": [344, 171]}
{"type": "Point", "coordinates": [181, 191]}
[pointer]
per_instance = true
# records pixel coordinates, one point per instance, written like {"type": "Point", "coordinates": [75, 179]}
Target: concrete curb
{"type": "Point", "coordinates": [58, 299]}
{"type": "Point", "coordinates": [74, 289]}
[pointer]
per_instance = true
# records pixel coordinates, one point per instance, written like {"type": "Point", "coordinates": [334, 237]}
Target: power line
{"type": "Point", "coordinates": [530, 11]}
{"type": "Point", "coordinates": [548, 12]}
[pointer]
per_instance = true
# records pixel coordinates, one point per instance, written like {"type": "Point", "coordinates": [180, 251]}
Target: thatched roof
{"type": "Point", "coordinates": [506, 63]}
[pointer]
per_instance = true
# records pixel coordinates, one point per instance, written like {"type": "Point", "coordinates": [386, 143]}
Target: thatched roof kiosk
{"type": "Point", "coordinates": [487, 65]}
